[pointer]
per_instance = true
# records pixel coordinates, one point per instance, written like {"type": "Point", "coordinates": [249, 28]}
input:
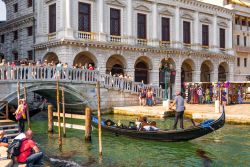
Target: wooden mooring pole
{"type": "Point", "coordinates": [99, 117]}
{"type": "Point", "coordinates": [58, 113]}
{"type": "Point", "coordinates": [63, 108]}
{"type": "Point", "coordinates": [27, 109]}
{"type": "Point", "coordinates": [18, 92]}
{"type": "Point", "coordinates": [87, 124]}
{"type": "Point", "coordinates": [50, 118]}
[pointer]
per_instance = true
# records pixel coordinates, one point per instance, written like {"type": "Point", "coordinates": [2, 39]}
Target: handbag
{"type": "Point", "coordinates": [18, 116]}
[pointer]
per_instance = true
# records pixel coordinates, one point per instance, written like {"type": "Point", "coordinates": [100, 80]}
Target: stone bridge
{"type": "Point", "coordinates": [79, 86]}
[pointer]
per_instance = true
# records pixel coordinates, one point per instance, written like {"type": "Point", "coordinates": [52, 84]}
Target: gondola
{"type": "Point", "coordinates": [190, 133]}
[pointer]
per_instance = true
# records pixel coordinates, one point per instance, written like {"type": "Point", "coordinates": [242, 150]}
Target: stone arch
{"type": "Point", "coordinates": [51, 57]}
{"type": "Point", "coordinates": [142, 66]}
{"type": "Point", "coordinates": [206, 69]}
{"type": "Point", "coordinates": [187, 68]}
{"type": "Point", "coordinates": [116, 64]}
{"type": "Point", "coordinates": [85, 57]}
{"type": "Point", "coordinates": [223, 71]}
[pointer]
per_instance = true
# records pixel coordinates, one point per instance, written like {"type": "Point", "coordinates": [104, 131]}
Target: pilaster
{"type": "Point", "coordinates": [177, 29]}
{"type": "Point", "coordinates": [215, 46]}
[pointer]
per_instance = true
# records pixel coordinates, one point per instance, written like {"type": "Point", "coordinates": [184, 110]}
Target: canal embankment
{"type": "Point", "coordinates": [235, 114]}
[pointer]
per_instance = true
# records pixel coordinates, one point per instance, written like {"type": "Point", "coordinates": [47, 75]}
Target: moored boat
{"type": "Point", "coordinates": [190, 133]}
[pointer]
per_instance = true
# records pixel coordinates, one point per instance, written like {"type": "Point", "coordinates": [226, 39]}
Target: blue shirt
{"type": "Point", "coordinates": [4, 140]}
{"type": "Point", "coordinates": [179, 102]}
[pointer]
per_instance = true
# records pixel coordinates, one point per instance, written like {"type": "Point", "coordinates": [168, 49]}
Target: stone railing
{"type": "Point", "coordinates": [36, 73]}
{"type": "Point", "coordinates": [86, 35]}
{"type": "Point", "coordinates": [51, 36]}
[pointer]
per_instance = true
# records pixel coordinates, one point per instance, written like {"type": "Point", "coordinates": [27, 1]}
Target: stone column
{"type": "Point", "coordinates": [131, 72]}
{"type": "Point", "coordinates": [61, 13]}
{"type": "Point", "coordinates": [154, 26]}
{"type": "Point", "coordinates": [231, 71]}
{"type": "Point", "coordinates": [215, 74]}
{"type": "Point", "coordinates": [154, 77]}
{"type": "Point", "coordinates": [177, 30]}
{"type": "Point", "coordinates": [68, 29]}
{"type": "Point", "coordinates": [230, 38]}
{"type": "Point", "coordinates": [129, 21]}
{"type": "Point", "coordinates": [178, 79]}
{"type": "Point", "coordinates": [215, 45]}
{"type": "Point", "coordinates": [101, 35]}
{"type": "Point", "coordinates": [196, 32]}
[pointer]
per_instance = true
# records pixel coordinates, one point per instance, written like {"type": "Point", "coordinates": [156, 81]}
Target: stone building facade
{"type": "Point", "coordinates": [137, 38]}
{"type": "Point", "coordinates": [241, 35]}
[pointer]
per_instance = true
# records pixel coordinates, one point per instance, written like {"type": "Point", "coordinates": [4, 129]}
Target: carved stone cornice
{"type": "Point", "coordinates": [102, 45]}
{"type": "Point", "coordinates": [15, 23]}
{"type": "Point", "coordinates": [115, 3]}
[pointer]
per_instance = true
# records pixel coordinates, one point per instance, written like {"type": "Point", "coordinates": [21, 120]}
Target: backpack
{"type": "Point", "coordinates": [14, 148]}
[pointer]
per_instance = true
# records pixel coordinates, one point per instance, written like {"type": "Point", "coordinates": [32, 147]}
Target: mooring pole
{"type": "Point", "coordinates": [18, 92]}
{"type": "Point", "coordinates": [87, 124]}
{"type": "Point", "coordinates": [63, 108]}
{"type": "Point", "coordinates": [50, 118]}
{"type": "Point", "coordinates": [58, 114]}
{"type": "Point", "coordinates": [27, 109]}
{"type": "Point", "coordinates": [99, 117]}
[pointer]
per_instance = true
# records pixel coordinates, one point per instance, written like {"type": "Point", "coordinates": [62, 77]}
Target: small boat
{"type": "Point", "coordinates": [190, 133]}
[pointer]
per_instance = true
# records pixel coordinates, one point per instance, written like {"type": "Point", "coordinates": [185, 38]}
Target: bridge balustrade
{"type": "Point", "coordinates": [49, 73]}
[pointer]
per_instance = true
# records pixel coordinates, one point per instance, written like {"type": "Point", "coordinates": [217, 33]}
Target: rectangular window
{"type": "Point", "coordinates": [115, 22]}
{"type": "Point", "coordinates": [52, 18]}
{"type": "Point", "coordinates": [15, 6]}
{"type": "Point", "coordinates": [15, 34]}
{"type": "Point", "coordinates": [165, 29]}
{"type": "Point", "coordinates": [30, 31]}
{"type": "Point", "coordinates": [238, 62]}
{"type": "Point", "coordinates": [186, 32]}
{"type": "Point", "coordinates": [205, 35]}
{"type": "Point", "coordinates": [222, 38]}
{"type": "Point", "coordinates": [243, 22]}
{"type": "Point", "coordinates": [84, 19]}
{"type": "Point", "coordinates": [245, 62]}
{"type": "Point", "coordinates": [30, 3]}
{"type": "Point", "coordinates": [245, 41]}
{"type": "Point", "coordinates": [238, 40]}
{"type": "Point", "coordinates": [30, 55]}
{"type": "Point", "coordinates": [141, 26]}
{"type": "Point", "coordinates": [237, 21]}
{"type": "Point", "coordinates": [2, 38]}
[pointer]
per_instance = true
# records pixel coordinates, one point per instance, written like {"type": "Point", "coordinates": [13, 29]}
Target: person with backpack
{"type": "Point", "coordinates": [27, 147]}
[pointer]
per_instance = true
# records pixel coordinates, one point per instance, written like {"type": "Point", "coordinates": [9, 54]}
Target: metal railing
{"type": "Point", "coordinates": [49, 73]}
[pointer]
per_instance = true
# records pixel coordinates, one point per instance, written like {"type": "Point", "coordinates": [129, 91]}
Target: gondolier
{"type": "Point", "coordinates": [179, 111]}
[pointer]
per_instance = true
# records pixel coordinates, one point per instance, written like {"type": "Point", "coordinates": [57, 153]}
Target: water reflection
{"type": "Point", "coordinates": [206, 161]}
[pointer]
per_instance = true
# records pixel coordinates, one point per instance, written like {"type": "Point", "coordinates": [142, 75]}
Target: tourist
{"type": "Point", "coordinates": [91, 67]}
{"type": "Point", "coordinates": [142, 97]}
{"type": "Point", "coordinates": [179, 111]}
{"type": "Point", "coordinates": [207, 96]}
{"type": "Point", "coordinates": [240, 101]}
{"type": "Point", "coordinates": [3, 140]}
{"type": "Point", "coordinates": [20, 115]}
{"type": "Point", "coordinates": [200, 95]}
{"type": "Point", "coordinates": [26, 156]}
{"type": "Point", "coordinates": [223, 98]}
{"type": "Point", "coordinates": [149, 97]}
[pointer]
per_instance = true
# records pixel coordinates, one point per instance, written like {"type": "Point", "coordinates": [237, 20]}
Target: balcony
{"type": "Point", "coordinates": [241, 28]}
{"type": "Point", "coordinates": [205, 47]}
{"type": "Point", "coordinates": [223, 50]}
{"type": "Point", "coordinates": [165, 44]}
{"type": "Point", "coordinates": [142, 41]}
{"type": "Point", "coordinates": [51, 36]}
{"type": "Point", "coordinates": [89, 36]}
{"type": "Point", "coordinates": [117, 39]}
{"type": "Point", "coordinates": [242, 49]}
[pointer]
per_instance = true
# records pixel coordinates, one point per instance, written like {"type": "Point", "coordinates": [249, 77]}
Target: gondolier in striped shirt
{"type": "Point", "coordinates": [179, 111]}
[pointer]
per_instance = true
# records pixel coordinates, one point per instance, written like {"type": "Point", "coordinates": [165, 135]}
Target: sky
{"type": "Point", "coordinates": [2, 11]}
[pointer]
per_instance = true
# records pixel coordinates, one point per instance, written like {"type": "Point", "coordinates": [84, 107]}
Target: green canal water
{"type": "Point", "coordinates": [228, 147]}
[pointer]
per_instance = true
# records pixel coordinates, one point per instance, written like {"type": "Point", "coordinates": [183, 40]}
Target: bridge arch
{"type": "Point", "coordinates": [48, 90]}
{"type": "Point", "coordinates": [51, 57]}
{"type": "Point", "coordinates": [116, 64]}
{"type": "Point", "coordinates": [85, 57]}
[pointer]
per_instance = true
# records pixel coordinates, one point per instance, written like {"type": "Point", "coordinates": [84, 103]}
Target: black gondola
{"type": "Point", "coordinates": [190, 133]}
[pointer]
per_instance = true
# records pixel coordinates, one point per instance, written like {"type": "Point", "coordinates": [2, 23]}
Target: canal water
{"type": "Point", "coordinates": [229, 146]}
